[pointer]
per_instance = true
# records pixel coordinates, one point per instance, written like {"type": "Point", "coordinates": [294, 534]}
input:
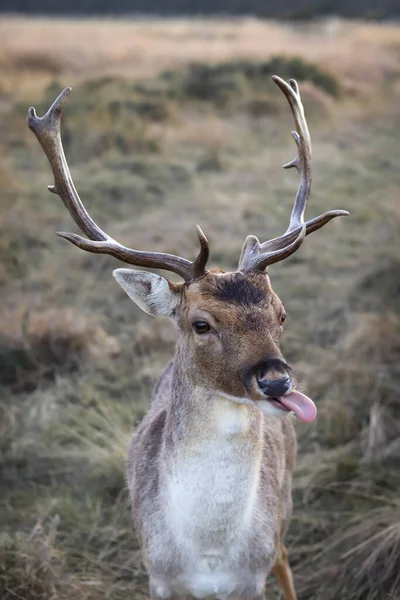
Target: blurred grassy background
{"type": "Point", "coordinates": [171, 124]}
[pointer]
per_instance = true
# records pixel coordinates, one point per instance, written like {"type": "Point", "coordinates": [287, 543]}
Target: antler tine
{"type": "Point", "coordinates": [256, 256]}
{"type": "Point", "coordinates": [303, 161]}
{"type": "Point", "coordinates": [47, 131]}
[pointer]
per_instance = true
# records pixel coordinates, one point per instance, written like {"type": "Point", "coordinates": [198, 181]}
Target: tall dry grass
{"type": "Point", "coordinates": [362, 54]}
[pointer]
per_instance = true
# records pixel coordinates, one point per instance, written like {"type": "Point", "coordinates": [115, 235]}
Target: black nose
{"type": "Point", "coordinates": [274, 388]}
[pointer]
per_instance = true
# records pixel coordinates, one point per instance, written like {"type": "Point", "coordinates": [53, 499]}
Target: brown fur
{"type": "Point", "coordinates": [249, 332]}
{"type": "Point", "coordinates": [183, 419]}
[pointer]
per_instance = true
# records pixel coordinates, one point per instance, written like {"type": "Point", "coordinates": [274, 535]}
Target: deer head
{"type": "Point", "coordinates": [229, 324]}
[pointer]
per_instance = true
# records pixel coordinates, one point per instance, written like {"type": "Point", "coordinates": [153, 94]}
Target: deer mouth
{"type": "Point", "coordinates": [303, 407]}
{"type": "Point", "coordinates": [276, 402]}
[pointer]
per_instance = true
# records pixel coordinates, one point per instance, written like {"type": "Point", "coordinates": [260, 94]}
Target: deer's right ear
{"type": "Point", "coordinates": [152, 293]}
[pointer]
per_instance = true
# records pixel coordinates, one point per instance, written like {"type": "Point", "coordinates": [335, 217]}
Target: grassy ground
{"type": "Point", "coordinates": [157, 144]}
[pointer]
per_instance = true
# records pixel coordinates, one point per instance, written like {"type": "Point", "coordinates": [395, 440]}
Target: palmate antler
{"type": "Point", "coordinates": [47, 131]}
{"type": "Point", "coordinates": [256, 256]}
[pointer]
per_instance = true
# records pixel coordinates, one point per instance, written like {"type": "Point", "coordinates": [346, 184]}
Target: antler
{"type": "Point", "coordinates": [47, 131]}
{"type": "Point", "coordinates": [256, 256]}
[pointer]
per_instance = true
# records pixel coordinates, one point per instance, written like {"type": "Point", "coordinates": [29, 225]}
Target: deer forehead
{"type": "Point", "coordinates": [232, 296]}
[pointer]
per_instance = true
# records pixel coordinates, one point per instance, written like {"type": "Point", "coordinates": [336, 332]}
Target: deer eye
{"type": "Point", "coordinates": [282, 319]}
{"type": "Point", "coordinates": [201, 327]}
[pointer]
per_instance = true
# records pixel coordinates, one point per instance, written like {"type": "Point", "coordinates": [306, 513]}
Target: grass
{"type": "Point", "coordinates": [170, 124]}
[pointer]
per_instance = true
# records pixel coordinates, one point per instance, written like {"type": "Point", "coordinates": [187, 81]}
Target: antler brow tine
{"type": "Point", "coordinates": [47, 131]}
{"type": "Point", "coordinates": [256, 256]}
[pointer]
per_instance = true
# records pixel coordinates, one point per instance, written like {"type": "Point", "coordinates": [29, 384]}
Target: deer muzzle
{"type": "Point", "coordinates": [272, 380]}
{"type": "Point", "coordinates": [275, 387]}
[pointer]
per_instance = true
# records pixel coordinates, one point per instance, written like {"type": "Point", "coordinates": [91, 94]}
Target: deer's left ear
{"type": "Point", "coordinates": [152, 293]}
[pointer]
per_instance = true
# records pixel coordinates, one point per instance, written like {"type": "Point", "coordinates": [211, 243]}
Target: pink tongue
{"type": "Point", "coordinates": [300, 404]}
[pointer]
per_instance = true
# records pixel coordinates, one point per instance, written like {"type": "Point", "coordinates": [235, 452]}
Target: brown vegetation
{"type": "Point", "coordinates": [170, 124]}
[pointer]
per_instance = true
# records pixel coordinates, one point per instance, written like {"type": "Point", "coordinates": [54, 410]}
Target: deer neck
{"type": "Point", "coordinates": [199, 416]}
{"type": "Point", "coordinates": [211, 443]}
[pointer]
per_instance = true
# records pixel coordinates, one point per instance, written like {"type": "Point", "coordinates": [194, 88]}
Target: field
{"type": "Point", "coordinates": [169, 124]}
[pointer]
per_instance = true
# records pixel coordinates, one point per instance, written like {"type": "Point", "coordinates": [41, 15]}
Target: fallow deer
{"type": "Point", "coordinates": [210, 466]}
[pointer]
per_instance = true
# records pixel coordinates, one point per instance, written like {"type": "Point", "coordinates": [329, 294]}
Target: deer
{"type": "Point", "coordinates": [209, 468]}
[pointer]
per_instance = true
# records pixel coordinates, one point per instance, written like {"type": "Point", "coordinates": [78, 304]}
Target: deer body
{"type": "Point", "coordinates": [210, 479]}
{"type": "Point", "coordinates": [210, 466]}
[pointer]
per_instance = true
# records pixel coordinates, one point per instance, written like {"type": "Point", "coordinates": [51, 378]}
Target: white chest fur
{"type": "Point", "coordinates": [211, 492]}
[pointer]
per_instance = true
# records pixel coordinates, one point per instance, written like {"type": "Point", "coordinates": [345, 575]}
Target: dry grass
{"type": "Point", "coordinates": [151, 156]}
{"type": "Point", "coordinates": [35, 347]}
{"type": "Point", "coordinates": [37, 49]}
